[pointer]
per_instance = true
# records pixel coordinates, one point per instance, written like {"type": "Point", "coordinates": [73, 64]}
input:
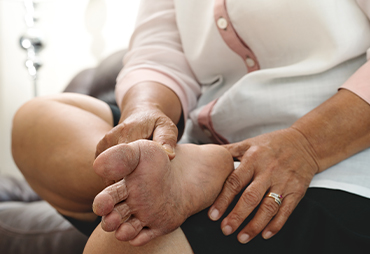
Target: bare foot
{"type": "Point", "coordinates": [155, 195]}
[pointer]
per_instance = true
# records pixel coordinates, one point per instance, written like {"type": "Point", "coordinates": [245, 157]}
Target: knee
{"type": "Point", "coordinates": [25, 121]}
{"type": "Point", "coordinates": [29, 114]}
{"type": "Point", "coordinates": [26, 113]}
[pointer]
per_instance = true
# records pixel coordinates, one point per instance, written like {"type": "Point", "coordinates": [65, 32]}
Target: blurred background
{"type": "Point", "coordinates": [76, 35]}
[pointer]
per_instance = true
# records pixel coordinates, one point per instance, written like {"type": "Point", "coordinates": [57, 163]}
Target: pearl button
{"type": "Point", "coordinates": [250, 62]}
{"type": "Point", "coordinates": [207, 132]}
{"type": "Point", "coordinates": [222, 23]}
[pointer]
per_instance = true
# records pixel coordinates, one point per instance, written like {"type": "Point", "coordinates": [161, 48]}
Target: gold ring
{"type": "Point", "coordinates": [276, 197]}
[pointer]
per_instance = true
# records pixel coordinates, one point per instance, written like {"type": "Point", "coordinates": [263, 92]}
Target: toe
{"type": "Point", "coordinates": [145, 236]}
{"type": "Point", "coordinates": [114, 219]}
{"type": "Point", "coordinates": [106, 200]}
{"type": "Point", "coordinates": [111, 221]}
{"type": "Point", "coordinates": [129, 230]}
{"type": "Point", "coordinates": [118, 161]}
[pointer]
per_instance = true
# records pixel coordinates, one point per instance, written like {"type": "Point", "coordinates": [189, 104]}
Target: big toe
{"type": "Point", "coordinates": [118, 161]}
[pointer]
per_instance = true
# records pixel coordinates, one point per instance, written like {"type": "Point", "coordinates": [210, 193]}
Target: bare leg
{"type": "Point", "coordinates": [102, 242]}
{"type": "Point", "coordinates": [158, 194]}
{"type": "Point", "coordinates": [53, 143]}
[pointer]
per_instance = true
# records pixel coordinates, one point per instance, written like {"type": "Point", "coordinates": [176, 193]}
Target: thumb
{"type": "Point", "coordinates": [169, 150]}
{"type": "Point", "coordinates": [166, 135]}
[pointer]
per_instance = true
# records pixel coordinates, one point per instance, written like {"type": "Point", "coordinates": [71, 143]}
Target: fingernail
{"type": "Point", "coordinates": [168, 149]}
{"type": "Point", "coordinates": [214, 214]}
{"type": "Point", "coordinates": [227, 230]}
{"type": "Point", "coordinates": [267, 235]}
{"type": "Point", "coordinates": [244, 238]}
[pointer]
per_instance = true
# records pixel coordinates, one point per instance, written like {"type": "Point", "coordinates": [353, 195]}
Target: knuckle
{"type": "Point", "coordinates": [253, 152]}
{"type": "Point", "coordinates": [121, 191]}
{"type": "Point", "coordinates": [223, 202]}
{"type": "Point", "coordinates": [286, 211]}
{"type": "Point", "coordinates": [171, 124]}
{"type": "Point", "coordinates": [269, 208]}
{"type": "Point", "coordinates": [136, 224]}
{"type": "Point", "coordinates": [103, 142]}
{"type": "Point", "coordinates": [109, 138]}
{"type": "Point", "coordinates": [168, 128]}
{"type": "Point", "coordinates": [236, 218]}
{"type": "Point", "coordinates": [145, 133]}
{"type": "Point", "coordinates": [255, 227]}
{"type": "Point", "coordinates": [251, 197]}
{"type": "Point", "coordinates": [233, 183]}
{"type": "Point", "coordinates": [123, 209]}
{"type": "Point", "coordinates": [167, 122]}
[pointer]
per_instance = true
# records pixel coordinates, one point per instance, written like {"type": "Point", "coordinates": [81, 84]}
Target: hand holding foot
{"type": "Point", "coordinates": [157, 194]}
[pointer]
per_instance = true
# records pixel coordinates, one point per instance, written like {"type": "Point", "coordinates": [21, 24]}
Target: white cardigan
{"type": "Point", "coordinates": [244, 68]}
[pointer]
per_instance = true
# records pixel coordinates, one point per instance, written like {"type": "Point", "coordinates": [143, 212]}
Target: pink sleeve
{"type": "Point", "coordinates": [359, 82]}
{"type": "Point", "coordinates": [155, 54]}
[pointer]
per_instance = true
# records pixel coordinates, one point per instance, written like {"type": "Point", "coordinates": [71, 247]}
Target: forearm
{"type": "Point", "coordinates": [337, 129]}
{"type": "Point", "coordinates": [152, 94]}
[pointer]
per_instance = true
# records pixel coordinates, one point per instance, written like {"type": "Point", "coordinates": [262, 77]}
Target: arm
{"type": "Point", "coordinates": [285, 161]}
{"type": "Point", "coordinates": [337, 129]}
{"type": "Point", "coordinates": [156, 85]}
{"type": "Point", "coordinates": [160, 109]}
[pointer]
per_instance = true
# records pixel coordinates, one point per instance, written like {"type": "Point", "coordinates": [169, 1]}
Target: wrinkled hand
{"type": "Point", "coordinates": [282, 162]}
{"type": "Point", "coordinates": [145, 122]}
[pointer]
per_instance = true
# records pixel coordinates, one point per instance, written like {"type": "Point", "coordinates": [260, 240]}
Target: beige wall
{"type": "Point", "coordinates": [77, 35]}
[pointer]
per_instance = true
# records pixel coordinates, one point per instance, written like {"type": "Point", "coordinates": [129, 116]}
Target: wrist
{"type": "Point", "coordinates": [303, 145]}
{"type": "Point", "coordinates": [337, 129]}
{"type": "Point", "coordinates": [151, 96]}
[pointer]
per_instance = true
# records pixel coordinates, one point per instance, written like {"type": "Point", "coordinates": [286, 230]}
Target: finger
{"type": "Point", "coordinates": [124, 133]}
{"type": "Point", "coordinates": [129, 229]}
{"type": "Point", "coordinates": [166, 134]}
{"type": "Point", "coordinates": [101, 146]}
{"type": "Point", "coordinates": [236, 181]}
{"type": "Point", "coordinates": [248, 201]}
{"type": "Point", "coordinates": [113, 220]}
{"type": "Point", "coordinates": [117, 162]}
{"type": "Point", "coordinates": [110, 139]}
{"type": "Point", "coordinates": [287, 207]}
{"type": "Point", "coordinates": [105, 201]}
{"type": "Point", "coordinates": [131, 132]}
{"type": "Point", "coordinates": [145, 236]}
{"type": "Point", "coordinates": [267, 210]}
{"type": "Point", "coordinates": [238, 149]}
